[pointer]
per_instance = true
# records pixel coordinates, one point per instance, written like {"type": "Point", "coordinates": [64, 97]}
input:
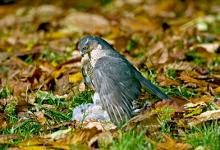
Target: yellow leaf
{"type": "Point", "coordinates": [217, 90]}
{"type": "Point", "coordinates": [34, 148]}
{"type": "Point", "coordinates": [31, 142]}
{"type": "Point", "coordinates": [75, 78]}
{"type": "Point", "coordinates": [56, 35]}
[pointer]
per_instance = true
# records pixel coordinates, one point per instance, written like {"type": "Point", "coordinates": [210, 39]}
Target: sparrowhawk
{"type": "Point", "coordinates": [114, 79]}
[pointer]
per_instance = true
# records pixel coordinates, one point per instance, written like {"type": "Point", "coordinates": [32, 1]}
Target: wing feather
{"type": "Point", "coordinates": [117, 86]}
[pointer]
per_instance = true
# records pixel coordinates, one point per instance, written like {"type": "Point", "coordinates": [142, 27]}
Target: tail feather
{"type": "Point", "coordinates": [118, 114]}
{"type": "Point", "coordinates": [151, 87]}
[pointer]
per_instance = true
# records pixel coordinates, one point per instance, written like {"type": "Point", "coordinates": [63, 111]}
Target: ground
{"type": "Point", "coordinates": [175, 44]}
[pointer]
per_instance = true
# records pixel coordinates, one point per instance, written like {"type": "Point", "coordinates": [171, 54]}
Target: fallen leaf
{"type": "Point", "coordinates": [45, 13]}
{"type": "Point", "coordinates": [203, 117]}
{"type": "Point", "coordinates": [35, 147]}
{"type": "Point", "coordinates": [146, 119]}
{"type": "Point", "coordinates": [40, 117]}
{"type": "Point", "coordinates": [171, 103]}
{"type": "Point", "coordinates": [62, 84]}
{"type": "Point", "coordinates": [171, 144]}
{"type": "Point", "coordinates": [103, 126]}
{"type": "Point", "coordinates": [209, 47]}
{"type": "Point", "coordinates": [179, 100]}
{"type": "Point", "coordinates": [103, 139]}
{"type": "Point", "coordinates": [83, 136]}
{"type": "Point", "coordinates": [32, 142]}
{"type": "Point", "coordinates": [205, 99]}
{"type": "Point", "coordinates": [186, 77]}
{"type": "Point", "coordinates": [8, 20]}
{"type": "Point", "coordinates": [4, 124]}
{"type": "Point", "coordinates": [194, 109]}
{"type": "Point", "coordinates": [86, 22]}
{"type": "Point", "coordinates": [138, 23]}
{"type": "Point", "coordinates": [165, 81]}
{"type": "Point", "coordinates": [75, 78]}
{"type": "Point", "coordinates": [182, 65]}
{"type": "Point", "coordinates": [217, 90]}
{"type": "Point", "coordinates": [5, 138]}
{"type": "Point", "coordinates": [58, 135]}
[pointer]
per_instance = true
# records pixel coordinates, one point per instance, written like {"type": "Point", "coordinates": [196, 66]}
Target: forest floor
{"type": "Point", "coordinates": [175, 44]}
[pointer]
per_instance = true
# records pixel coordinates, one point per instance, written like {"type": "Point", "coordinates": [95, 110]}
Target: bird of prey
{"type": "Point", "coordinates": [113, 78]}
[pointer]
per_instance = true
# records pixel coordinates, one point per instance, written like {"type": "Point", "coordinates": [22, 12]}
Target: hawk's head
{"type": "Point", "coordinates": [89, 43]}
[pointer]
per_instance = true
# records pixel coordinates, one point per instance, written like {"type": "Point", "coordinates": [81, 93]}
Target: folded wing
{"type": "Point", "coordinates": [115, 81]}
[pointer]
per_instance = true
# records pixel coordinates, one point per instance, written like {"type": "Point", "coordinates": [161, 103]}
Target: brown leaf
{"type": "Point", "coordinates": [4, 139]}
{"type": "Point", "coordinates": [182, 65]}
{"type": "Point", "coordinates": [165, 81]}
{"type": "Point", "coordinates": [201, 70]}
{"type": "Point", "coordinates": [158, 54]}
{"type": "Point", "coordinates": [170, 103]}
{"type": "Point", "coordinates": [187, 77]}
{"type": "Point", "coordinates": [86, 22]}
{"type": "Point", "coordinates": [103, 139]}
{"type": "Point", "coordinates": [83, 136]}
{"type": "Point", "coordinates": [139, 23]}
{"type": "Point", "coordinates": [205, 99]}
{"type": "Point", "coordinates": [4, 101]}
{"type": "Point", "coordinates": [3, 121]}
{"type": "Point", "coordinates": [179, 100]}
{"type": "Point", "coordinates": [103, 126]}
{"type": "Point", "coordinates": [62, 84]}
{"type": "Point", "coordinates": [171, 144]}
{"type": "Point", "coordinates": [146, 119]}
{"type": "Point", "coordinates": [40, 117]}
{"type": "Point", "coordinates": [203, 117]}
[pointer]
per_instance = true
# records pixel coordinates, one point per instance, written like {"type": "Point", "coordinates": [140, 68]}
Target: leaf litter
{"type": "Point", "coordinates": [175, 44]}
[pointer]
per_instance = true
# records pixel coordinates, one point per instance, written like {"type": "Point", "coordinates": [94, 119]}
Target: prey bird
{"type": "Point", "coordinates": [116, 82]}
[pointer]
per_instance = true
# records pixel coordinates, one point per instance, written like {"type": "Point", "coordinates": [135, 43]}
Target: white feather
{"type": "Point", "coordinates": [96, 54]}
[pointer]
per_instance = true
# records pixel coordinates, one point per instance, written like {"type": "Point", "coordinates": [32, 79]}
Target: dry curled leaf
{"type": "Point", "coordinates": [103, 139]}
{"type": "Point", "coordinates": [203, 117]}
{"type": "Point", "coordinates": [209, 47]}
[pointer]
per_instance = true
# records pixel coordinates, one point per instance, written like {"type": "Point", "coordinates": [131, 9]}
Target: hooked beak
{"type": "Point", "coordinates": [77, 46]}
{"type": "Point", "coordinates": [81, 53]}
